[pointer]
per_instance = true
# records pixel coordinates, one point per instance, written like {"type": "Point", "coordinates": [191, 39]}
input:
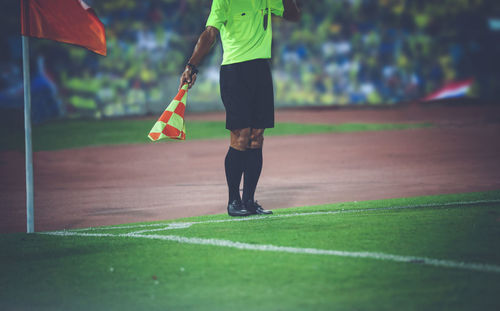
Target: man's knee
{"type": "Point", "coordinates": [240, 139]}
{"type": "Point", "coordinates": [256, 139]}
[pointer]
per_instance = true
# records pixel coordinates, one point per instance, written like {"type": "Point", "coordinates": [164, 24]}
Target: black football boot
{"type": "Point", "coordinates": [236, 208]}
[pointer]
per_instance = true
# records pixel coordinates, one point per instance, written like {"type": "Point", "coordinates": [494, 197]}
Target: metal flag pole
{"type": "Point", "coordinates": [30, 220]}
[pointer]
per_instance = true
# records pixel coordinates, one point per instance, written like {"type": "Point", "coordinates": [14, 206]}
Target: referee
{"type": "Point", "coordinates": [246, 87]}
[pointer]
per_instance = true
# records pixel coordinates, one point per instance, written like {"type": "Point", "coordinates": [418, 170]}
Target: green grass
{"type": "Point", "coordinates": [82, 133]}
{"type": "Point", "coordinates": [46, 272]}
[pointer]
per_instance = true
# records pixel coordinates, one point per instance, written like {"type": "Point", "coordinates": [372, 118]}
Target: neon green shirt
{"type": "Point", "coordinates": [241, 27]}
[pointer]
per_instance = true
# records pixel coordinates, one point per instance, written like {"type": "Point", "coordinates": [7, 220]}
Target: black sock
{"type": "Point", "coordinates": [234, 165]}
{"type": "Point", "coordinates": [253, 167]}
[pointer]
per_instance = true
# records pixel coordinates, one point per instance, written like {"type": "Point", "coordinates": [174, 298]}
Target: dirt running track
{"type": "Point", "coordinates": [114, 185]}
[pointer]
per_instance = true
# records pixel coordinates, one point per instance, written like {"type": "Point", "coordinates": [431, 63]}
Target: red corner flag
{"type": "Point", "coordinates": [69, 21]}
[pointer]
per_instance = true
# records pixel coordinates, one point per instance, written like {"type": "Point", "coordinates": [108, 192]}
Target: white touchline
{"type": "Point", "coordinates": [184, 225]}
{"type": "Point", "coordinates": [296, 250]}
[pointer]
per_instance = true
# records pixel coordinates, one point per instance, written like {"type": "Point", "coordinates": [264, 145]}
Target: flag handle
{"type": "Point", "coordinates": [30, 221]}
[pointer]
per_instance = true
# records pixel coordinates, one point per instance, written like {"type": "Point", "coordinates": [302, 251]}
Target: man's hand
{"type": "Point", "coordinates": [205, 42]}
{"type": "Point", "coordinates": [187, 77]}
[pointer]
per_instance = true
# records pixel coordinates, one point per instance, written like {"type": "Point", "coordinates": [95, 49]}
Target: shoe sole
{"type": "Point", "coordinates": [256, 213]}
{"type": "Point", "coordinates": [238, 214]}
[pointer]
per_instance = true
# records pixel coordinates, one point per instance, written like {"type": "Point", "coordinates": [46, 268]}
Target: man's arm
{"type": "Point", "coordinates": [203, 46]}
{"type": "Point", "coordinates": [291, 12]}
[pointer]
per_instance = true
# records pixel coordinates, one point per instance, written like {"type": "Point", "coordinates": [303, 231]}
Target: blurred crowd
{"type": "Point", "coordinates": [385, 51]}
{"type": "Point", "coordinates": [342, 52]}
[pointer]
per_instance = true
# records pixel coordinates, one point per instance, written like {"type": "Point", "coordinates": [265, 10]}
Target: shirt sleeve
{"type": "Point", "coordinates": [277, 7]}
{"type": "Point", "coordinates": [218, 14]}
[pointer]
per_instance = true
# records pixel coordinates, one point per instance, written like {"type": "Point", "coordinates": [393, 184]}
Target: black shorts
{"type": "Point", "coordinates": [247, 93]}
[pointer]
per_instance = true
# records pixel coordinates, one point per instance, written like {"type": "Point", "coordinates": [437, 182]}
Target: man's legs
{"type": "Point", "coordinates": [244, 157]}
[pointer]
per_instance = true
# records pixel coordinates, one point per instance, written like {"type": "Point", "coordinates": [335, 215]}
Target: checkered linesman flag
{"type": "Point", "coordinates": [171, 123]}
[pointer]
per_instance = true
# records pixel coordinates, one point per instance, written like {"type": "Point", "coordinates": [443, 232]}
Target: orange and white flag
{"type": "Point", "coordinates": [171, 123]}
